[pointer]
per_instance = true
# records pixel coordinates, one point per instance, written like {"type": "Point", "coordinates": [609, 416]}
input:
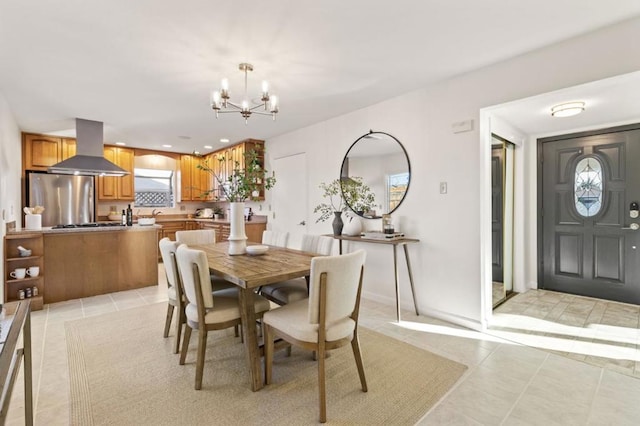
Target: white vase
{"type": "Point", "coordinates": [237, 236]}
{"type": "Point", "coordinates": [352, 226]}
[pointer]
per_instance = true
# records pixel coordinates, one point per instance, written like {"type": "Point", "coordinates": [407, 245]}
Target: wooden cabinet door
{"type": "Point", "coordinates": [125, 159]}
{"type": "Point", "coordinates": [185, 177]}
{"type": "Point", "coordinates": [108, 185]}
{"type": "Point", "coordinates": [121, 187]}
{"type": "Point", "coordinates": [206, 179]}
{"type": "Point", "coordinates": [68, 148]}
{"type": "Point", "coordinates": [219, 166]}
{"type": "Point", "coordinates": [41, 152]}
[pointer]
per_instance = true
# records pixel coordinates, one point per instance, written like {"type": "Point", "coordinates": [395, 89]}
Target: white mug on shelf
{"type": "Point", "coordinates": [33, 271]}
{"type": "Point", "coordinates": [19, 273]}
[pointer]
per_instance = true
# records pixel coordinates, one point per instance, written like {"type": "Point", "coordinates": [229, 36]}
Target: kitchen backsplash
{"type": "Point", "coordinates": [104, 208]}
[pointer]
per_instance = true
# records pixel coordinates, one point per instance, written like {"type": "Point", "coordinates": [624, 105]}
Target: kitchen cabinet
{"type": "Point", "coordinates": [12, 261]}
{"type": "Point", "coordinates": [169, 229]}
{"type": "Point", "coordinates": [41, 151]}
{"type": "Point", "coordinates": [253, 230]}
{"type": "Point", "coordinates": [195, 184]}
{"type": "Point", "coordinates": [121, 187]}
{"type": "Point", "coordinates": [233, 158]}
{"type": "Point", "coordinates": [84, 264]}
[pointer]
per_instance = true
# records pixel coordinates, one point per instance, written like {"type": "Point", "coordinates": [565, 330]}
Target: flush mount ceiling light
{"type": "Point", "coordinates": [221, 103]}
{"type": "Point", "coordinates": [567, 109]}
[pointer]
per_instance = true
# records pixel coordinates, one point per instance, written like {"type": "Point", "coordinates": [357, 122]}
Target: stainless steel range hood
{"type": "Point", "coordinates": [89, 160]}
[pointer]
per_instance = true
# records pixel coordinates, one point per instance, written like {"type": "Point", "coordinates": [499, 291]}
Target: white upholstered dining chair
{"type": "Point", "coordinates": [174, 289]}
{"type": "Point", "coordinates": [207, 310]}
{"type": "Point", "coordinates": [327, 320]}
{"type": "Point", "coordinates": [196, 236]}
{"type": "Point", "coordinates": [275, 238]}
{"type": "Point", "coordinates": [203, 236]}
{"type": "Point", "coordinates": [290, 291]}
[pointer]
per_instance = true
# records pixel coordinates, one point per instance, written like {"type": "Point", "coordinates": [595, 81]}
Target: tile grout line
{"type": "Point", "coordinates": [597, 390]}
{"type": "Point", "coordinates": [464, 378]}
{"type": "Point", "coordinates": [519, 398]}
{"type": "Point", "coordinates": [35, 398]}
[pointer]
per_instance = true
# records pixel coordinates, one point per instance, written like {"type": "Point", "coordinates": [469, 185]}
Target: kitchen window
{"type": "Point", "coordinates": [154, 188]}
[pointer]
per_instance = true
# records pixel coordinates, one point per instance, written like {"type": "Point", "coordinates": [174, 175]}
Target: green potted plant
{"type": "Point", "coordinates": [341, 194]}
{"type": "Point", "coordinates": [218, 213]}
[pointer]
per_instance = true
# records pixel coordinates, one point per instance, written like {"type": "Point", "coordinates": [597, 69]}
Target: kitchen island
{"type": "Point", "coordinates": [82, 262]}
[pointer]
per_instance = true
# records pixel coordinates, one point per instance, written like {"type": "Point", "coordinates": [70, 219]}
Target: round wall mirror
{"type": "Point", "coordinates": [375, 175]}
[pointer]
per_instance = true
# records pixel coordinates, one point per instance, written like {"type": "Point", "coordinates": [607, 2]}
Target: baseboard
{"type": "Point", "coordinates": [429, 312]}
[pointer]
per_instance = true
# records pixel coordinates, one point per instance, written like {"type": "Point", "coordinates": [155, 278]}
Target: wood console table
{"type": "Point", "coordinates": [10, 358]}
{"type": "Point", "coordinates": [395, 243]}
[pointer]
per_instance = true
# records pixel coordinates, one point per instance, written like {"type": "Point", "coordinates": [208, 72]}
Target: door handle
{"type": "Point", "coordinates": [633, 226]}
{"type": "Point", "coordinates": [303, 223]}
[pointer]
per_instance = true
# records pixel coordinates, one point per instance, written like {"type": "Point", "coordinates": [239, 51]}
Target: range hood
{"type": "Point", "coordinates": [89, 160]}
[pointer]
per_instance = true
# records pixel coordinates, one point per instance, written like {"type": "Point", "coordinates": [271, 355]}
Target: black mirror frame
{"type": "Point", "coordinates": [406, 155]}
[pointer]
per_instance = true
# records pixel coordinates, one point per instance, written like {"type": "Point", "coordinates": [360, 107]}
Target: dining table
{"type": "Point", "coordinates": [249, 272]}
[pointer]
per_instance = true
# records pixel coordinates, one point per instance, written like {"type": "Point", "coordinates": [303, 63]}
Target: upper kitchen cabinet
{"type": "Point", "coordinates": [227, 160]}
{"type": "Point", "coordinates": [121, 187]}
{"type": "Point", "coordinates": [196, 184]}
{"type": "Point", "coordinates": [42, 151]}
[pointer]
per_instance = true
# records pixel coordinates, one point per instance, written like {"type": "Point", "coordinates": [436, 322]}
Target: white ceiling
{"type": "Point", "coordinates": [146, 67]}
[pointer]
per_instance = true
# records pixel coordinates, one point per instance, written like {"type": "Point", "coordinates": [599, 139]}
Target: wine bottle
{"type": "Point", "coordinates": [123, 222]}
{"type": "Point", "coordinates": [129, 216]}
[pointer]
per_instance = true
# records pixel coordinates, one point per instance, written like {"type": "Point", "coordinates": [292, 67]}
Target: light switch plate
{"type": "Point", "coordinates": [443, 187]}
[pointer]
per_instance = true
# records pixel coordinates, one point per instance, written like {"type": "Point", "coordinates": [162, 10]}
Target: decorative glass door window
{"type": "Point", "coordinates": [588, 187]}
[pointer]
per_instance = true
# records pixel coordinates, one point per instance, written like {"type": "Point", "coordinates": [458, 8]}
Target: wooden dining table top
{"type": "Point", "coordinates": [251, 271]}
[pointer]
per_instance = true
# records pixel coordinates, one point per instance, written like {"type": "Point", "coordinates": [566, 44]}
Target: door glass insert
{"type": "Point", "coordinates": [588, 187]}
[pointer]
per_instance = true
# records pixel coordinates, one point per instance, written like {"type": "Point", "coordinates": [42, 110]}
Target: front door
{"type": "Point", "coordinates": [590, 244]}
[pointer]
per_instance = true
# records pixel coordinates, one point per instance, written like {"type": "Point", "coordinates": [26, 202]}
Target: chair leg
{"type": "Point", "coordinates": [235, 329]}
{"type": "Point", "coordinates": [179, 322]}
{"type": "Point", "coordinates": [185, 343]}
{"type": "Point", "coordinates": [202, 346]}
{"type": "Point", "coordinates": [268, 353]}
{"type": "Point", "coordinates": [167, 322]}
{"type": "Point", "coordinates": [321, 385]}
{"type": "Point", "coordinates": [355, 345]}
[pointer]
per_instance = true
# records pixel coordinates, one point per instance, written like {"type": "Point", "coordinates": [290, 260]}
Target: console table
{"type": "Point", "coordinates": [395, 243]}
{"type": "Point", "coordinates": [10, 357]}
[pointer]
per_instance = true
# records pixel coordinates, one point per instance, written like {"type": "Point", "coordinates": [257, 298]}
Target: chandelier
{"type": "Point", "coordinates": [221, 103]}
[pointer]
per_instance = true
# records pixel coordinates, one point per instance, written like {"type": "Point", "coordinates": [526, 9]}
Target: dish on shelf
{"type": "Point", "coordinates": [257, 250]}
{"type": "Point", "coordinates": [24, 253]}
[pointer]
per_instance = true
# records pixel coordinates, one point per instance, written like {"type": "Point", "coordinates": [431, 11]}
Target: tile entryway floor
{"type": "Point", "coordinates": [506, 383]}
{"type": "Point", "coordinates": [599, 332]}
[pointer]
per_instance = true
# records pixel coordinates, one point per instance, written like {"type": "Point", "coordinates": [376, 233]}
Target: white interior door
{"type": "Point", "coordinates": [289, 197]}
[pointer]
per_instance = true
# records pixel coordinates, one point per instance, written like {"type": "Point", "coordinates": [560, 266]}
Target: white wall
{"type": "Point", "coordinates": [450, 260]}
{"type": "Point", "coordinates": [10, 172]}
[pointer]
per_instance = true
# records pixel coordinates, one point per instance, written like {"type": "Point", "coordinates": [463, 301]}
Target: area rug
{"type": "Point", "coordinates": [123, 372]}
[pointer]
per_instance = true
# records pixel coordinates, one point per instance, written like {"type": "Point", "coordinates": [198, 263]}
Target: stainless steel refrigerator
{"type": "Point", "coordinates": [67, 199]}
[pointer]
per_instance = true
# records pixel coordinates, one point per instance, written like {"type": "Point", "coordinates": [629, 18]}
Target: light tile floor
{"type": "Point", "coordinates": [599, 332]}
{"type": "Point", "coordinates": [506, 383]}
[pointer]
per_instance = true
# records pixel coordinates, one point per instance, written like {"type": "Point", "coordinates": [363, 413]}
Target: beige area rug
{"type": "Point", "coordinates": [123, 373]}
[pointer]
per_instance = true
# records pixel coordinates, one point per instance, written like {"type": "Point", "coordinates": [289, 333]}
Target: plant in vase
{"type": "Point", "coordinates": [359, 199]}
{"type": "Point", "coordinates": [345, 195]}
{"type": "Point", "coordinates": [241, 184]}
